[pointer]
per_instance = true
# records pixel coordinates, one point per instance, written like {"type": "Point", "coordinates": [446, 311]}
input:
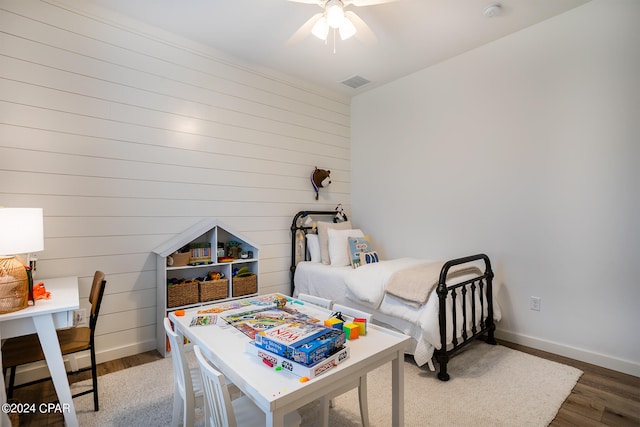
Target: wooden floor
{"type": "Point", "coordinates": [601, 397]}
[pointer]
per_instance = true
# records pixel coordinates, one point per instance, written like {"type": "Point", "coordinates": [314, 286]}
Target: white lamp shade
{"type": "Point", "coordinates": [347, 29]}
{"type": "Point", "coordinates": [21, 230]}
{"type": "Point", "coordinates": [321, 29]}
{"type": "Point", "coordinates": [335, 14]}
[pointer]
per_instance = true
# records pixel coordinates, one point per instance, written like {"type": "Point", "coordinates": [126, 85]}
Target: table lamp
{"type": "Point", "coordinates": [21, 232]}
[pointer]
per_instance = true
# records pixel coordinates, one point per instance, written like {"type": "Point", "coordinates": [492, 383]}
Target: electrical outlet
{"type": "Point", "coordinates": [534, 303]}
{"type": "Point", "coordinates": [80, 317]}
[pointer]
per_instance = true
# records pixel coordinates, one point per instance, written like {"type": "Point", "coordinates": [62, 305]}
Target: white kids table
{"type": "Point", "coordinates": [280, 392]}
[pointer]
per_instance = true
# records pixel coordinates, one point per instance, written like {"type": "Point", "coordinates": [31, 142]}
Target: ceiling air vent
{"type": "Point", "coordinates": [355, 82]}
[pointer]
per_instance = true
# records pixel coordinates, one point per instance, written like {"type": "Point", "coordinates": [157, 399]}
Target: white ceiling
{"type": "Point", "coordinates": [412, 34]}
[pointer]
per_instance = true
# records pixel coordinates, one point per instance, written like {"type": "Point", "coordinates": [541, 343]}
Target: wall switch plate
{"type": "Point", "coordinates": [80, 317]}
{"type": "Point", "coordinates": [534, 303]}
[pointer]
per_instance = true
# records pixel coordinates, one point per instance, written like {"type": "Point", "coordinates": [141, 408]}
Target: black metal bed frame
{"type": "Point", "coordinates": [476, 284]}
{"type": "Point", "coordinates": [478, 287]}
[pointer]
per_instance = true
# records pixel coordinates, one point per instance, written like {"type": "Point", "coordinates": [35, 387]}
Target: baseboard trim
{"type": "Point", "coordinates": [39, 370]}
{"type": "Point", "coordinates": [603, 360]}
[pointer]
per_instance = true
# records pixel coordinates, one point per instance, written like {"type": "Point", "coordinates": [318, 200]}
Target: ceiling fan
{"type": "Point", "coordinates": [335, 17]}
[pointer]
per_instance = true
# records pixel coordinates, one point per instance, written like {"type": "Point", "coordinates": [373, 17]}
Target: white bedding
{"type": "Point", "coordinates": [364, 288]}
{"type": "Point", "coordinates": [367, 283]}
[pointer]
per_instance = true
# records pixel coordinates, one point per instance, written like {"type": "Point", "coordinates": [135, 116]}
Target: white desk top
{"type": "Point", "coordinates": [43, 317]}
{"type": "Point", "coordinates": [64, 297]}
{"type": "Point", "coordinates": [272, 389]}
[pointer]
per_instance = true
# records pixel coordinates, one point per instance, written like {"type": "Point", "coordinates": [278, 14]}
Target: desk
{"type": "Point", "coordinates": [43, 318]}
{"type": "Point", "coordinates": [280, 392]}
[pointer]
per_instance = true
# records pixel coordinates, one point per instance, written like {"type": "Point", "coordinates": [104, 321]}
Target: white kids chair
{"type": "Point", "coordinates": [222, 411]}
{"type": "Point", "coordinates": [187, 381]}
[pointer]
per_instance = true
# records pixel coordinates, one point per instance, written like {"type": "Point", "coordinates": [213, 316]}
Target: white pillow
{"type": "Point", "coordinates": [323, 235]}
{"type": "Point", "coordinates": [313, 246]}
{"type": "Point", "coordinates": [339, 254]}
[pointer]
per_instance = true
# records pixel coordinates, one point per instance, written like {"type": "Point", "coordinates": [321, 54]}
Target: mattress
{"type": "Point", "coordinates": [420, 322]}
{"type": "Point", "coordinates": [329, 282]}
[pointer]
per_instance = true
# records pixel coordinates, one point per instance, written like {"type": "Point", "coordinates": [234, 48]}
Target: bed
{"type": "Point", "coordinates": [425, 299]}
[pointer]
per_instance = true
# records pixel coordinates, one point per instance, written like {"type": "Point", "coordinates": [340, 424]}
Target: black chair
{"type": "Point", "coordinates": [26, 349]}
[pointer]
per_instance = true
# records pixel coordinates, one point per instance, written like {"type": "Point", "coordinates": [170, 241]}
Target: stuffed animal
{"type": "Point", "coordinates": [40, 292]}
{"type": "Point", "coordinates": [320, 178]}
{"type": "Point", "coordinates": [340, 215]}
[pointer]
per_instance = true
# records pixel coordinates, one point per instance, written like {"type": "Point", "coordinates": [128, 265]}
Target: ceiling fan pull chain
{"type": "Point", "coordinates": [334, 41]}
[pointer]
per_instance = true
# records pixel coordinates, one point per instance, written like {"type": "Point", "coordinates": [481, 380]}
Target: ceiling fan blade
{"type": "Point", "coordinates": [361, 3]}
{"type": "Point", "coordinates": [363, 33]}
{"type": "Point", "coordinates": [304, 30]}
{"type": "Point", "coordinates": [318, 2]}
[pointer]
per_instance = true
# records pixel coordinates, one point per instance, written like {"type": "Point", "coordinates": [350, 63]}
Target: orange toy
{"type": "Point", "coordinates": [40, 292]}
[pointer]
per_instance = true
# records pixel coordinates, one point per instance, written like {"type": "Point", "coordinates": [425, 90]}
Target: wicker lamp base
{"type": "Point", "coordinates": [14, 285]}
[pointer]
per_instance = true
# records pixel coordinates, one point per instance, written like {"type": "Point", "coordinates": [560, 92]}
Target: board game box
{"type": "Point", "coordinates": [255, 319]}
{"type": "Point", "coordinates": [259, 319]}
{"type": "Point", "coordinates": [300, 370]}
{"type": "Point", "coordinates": [305, 343]}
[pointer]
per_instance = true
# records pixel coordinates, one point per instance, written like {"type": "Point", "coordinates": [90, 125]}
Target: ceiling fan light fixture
{"type": "Point", "coordinates": [492, 10]}
{"type": "Point", "coordinates": [335, 13]}
{"type": "Point", "coordinates": [347, 29]}
{"type": "Point", "coordinates": [321, 29]}
{"type": "Point", "coordinates": [334, 16]}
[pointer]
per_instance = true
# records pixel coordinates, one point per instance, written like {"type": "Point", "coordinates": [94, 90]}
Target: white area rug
{"type": "Point", "coordinates": [489, 386]}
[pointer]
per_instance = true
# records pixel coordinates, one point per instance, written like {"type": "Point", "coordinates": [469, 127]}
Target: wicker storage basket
{"type": "Point", "coordinates": [182, 294]}
{"type": "Point", "coordinates": [245, 285]}
{"type": "Point", "coordinates": [214, 289]}
{"type": "Point", "coordinates": [180, 258]}
{"type": "Point", "coordinates": [14, 286]}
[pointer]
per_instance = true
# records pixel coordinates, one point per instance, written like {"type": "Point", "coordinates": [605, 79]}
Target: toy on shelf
{"type": "Point", "coordinates": [242, 272]}
{"type": "Point", "coordinates": [234, 249]}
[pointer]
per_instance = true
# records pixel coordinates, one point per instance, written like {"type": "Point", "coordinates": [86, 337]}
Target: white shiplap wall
{"type": "Point", "coordinates": [127, 135]}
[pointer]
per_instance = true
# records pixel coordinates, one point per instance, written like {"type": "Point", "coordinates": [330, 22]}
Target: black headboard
{"type": "Point", "coordinates": [298, 225]}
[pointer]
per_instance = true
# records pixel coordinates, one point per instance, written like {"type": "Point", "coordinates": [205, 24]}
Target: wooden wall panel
{"type": "Point", "coordinates": [127, 135]}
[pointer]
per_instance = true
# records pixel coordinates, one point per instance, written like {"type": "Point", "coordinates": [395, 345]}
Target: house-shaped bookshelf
{"type": "Point", "coordinates": [200, 266]}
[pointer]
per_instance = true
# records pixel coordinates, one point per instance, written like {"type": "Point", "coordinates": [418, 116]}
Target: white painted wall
{"type": "Point", "coordinates": [127, 135]}
{"type": "Point", "coordinates": [525, 149]}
